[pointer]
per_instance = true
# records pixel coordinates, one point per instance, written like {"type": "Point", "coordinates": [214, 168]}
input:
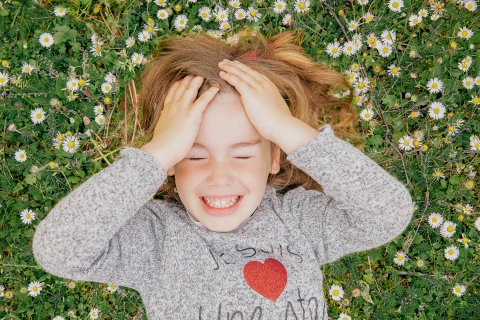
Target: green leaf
{"type": "Point", "coordinates": [443, 183]}
{"type": "Point", "coordinates": [4, 12]}
{"type": "Point", "coordinates": [368, 278]}
{"type": "Point", "coordinates": [18, 187]}
{"type": "Point", "coordinates": [73, 179]}
{"type": "Point", "coordinates": [454, 180]}
{"type": "Point", "coordinates": [59, 85]}
{"type": "Point", "coordinates": [418, 239]}
{"type": "Point", "coordinates": [389, 100]}
{"type": "Point", "coordinates": [31, 179]}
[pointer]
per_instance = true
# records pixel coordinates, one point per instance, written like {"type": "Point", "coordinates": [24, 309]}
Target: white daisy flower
{"type": "Point", "coordinates": [388, 36]}
{"type": "Point", "coordinates": [467, 60]}
{"type": "Point", "coordinates": [144, 36]}
{"type": "Point", "coordinates": [95, 38]}
{"type": "Point", "coordinates": [468, 209]}
{"type": "Point", "coordinates": [221, 14]}
{"type": "Point", "coordinates": [94, 313]}
{"type": "Point", "coordinates": [287, 20]}
{"type": "Point", "coordinates": [458, 290]}
{"type": "Point", "coordinates": [470, 5]}
{"type": "Point", "coordinates": [465, 33]}
{"type": "Point", "coordinates": [435, 220]}
{"type": "Point", "coordinates": [27, 216]}
{"type": "Point", "coordinates": [106, 87]}
{"type": "Point", "coordinates": [161, 3]}
{"type": "Point", "coordinates": [151, 28]}
{"type": "Point", "coordinates": [100, 119]}
{"type": "Point", "coordinates": [368, 17]}
{"type": "Point", "coordinates": [435, 17]}
{"type": "Point", "coordinates": [279, 6]}
{"type": "Point", "coordinates": [224, 25]}
{"type": "Point", "coordinates": [351, 76]}
{"type": "Point", "coordinates": [435, 85]}
{"type": "Point", "coordinates": [137, 58]}
{"type": "Point", "coordinates": [88, 133]}
{"type": "Point", "coordinates": [438, 174]}
{"type": "Point", "coordinates": [363, 84]}
{"type": "Point", "coordinates": [71, 144]}
{"type": "Point", "coordinates": [240, 14]}
{"type": "Point", "coordinates": [112, 288]}
{"type": "Point", "coordinates": [344, 316]}
{"type": "Point", "coordinates": [414, 20]}
{"type": "Point", "coordinates": [400, 258]}
{"type": "Point", "coordinates": [394, 71]}
{"type": "Point", "coordinates": [464, 240]}
{"type": "Point", "coordinates": [27, 68]}
{"type": "Point", "coordinates": [406, 143]}
{"type": "Point", "coordinates": [468, 82]}
{"type": "Point", "coordinates": [437, 110]}
{"type": "Point", "coordinates": [452, 253]}
{"type": "Point", "coordinates": [96, 49]}
{"type": "Point", "coordinates": [72, 84]}
{"type": "Point", "coordinates": [334, 50]}
{"type": "Point", "coordinates": [60, 11]}
{"type": "Point", "coordinates": [34, 288]}
{"type": "Point", "coordinates": [110, 78]}
{"type": "Point", "coordinates": [395, 5]}
{"type": "Point", "coordinates": [254, 15]}
{"type": "Point", "coordinates": [367, 114]}
{"type": "Point", "coordinates": [181, 22]}
{"type": "Point", "coordinates": [463, 66]}
{"type": "Point", "coordinates": [349, 48]}
{"type": "Point", "coordinates": [37, 115]}
{"type": "Point", "coordinates": [162, 14]}
{"type": "Point", "coordinates": [336, 292]}
{"type": "Point", "coordinates": [477, 80]}
{"type": "Point", "coordinates": [423, 13]}
{"type": "Point", "coordinates": [372, 40]}
{"type": "Point", "coordinates": [474, 144]}
{"type": "Point", "coordinates": [59, 318]}
{"type": "Point", "coordinates": [46, 40]}
{"type": "Point", "coordinates": [352, 25]}
{"type": "Point", "coordinates": [384, 49]}
{"type": "Point", "coordinates": [448, 229]}
{"type": "Point", "coordinates": [4, 79]}
{"type": "Point", "coordinates": [20, 155]}
{"type": "Point", "coordinates": [362, 2]}
{"type": "Point", "coordinates": [130, 42]}
{"type": "Point", "coordinates": [477, 224]}
{"type": "Point", "coordinates": [452, 130]}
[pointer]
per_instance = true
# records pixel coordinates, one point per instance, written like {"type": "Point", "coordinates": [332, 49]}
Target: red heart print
{"type": "Point", "coordinates": [268, 279]}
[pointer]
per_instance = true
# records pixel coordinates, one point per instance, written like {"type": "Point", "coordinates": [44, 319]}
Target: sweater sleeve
{"type": "Point", "coordinates": [363, 206]}
{"type": "Point", "coordinates": [101, 231]}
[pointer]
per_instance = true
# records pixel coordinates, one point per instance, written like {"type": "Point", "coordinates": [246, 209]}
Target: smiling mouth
{"type": "Point", "coordinates": [222, 205]}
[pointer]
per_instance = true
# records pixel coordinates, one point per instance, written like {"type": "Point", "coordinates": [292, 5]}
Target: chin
{"type": "Point", "coordinates": [220, 228]}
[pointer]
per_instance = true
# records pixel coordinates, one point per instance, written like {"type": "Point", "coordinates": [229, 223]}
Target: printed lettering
{"type": "Point", "coordinates": [316, 308]}
{"type": "Point", "coordinates": [301, 305]}
{"type": "Point", "coordinates": [259, 314]}
{"type": "Point", "coordinates": [234, 314]}
{"type": "Point", "coordinates": [214, 260]}
{"type": "Point", "coordinates": [301, 259]}
{"type": "Point", "coordinates": [290, 307]}
{"type": "Point", "coordinates": [221, 256]}
{"type": "Point", "coordinates": [241, 250]}
{"type": "Point", "coordinates": [271, 250]}
{"type": "Point", "coordinates": [219, 312]}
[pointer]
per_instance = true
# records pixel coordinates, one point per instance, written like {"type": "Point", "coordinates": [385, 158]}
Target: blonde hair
{"type": "Point", "coordinates": [305, 85]}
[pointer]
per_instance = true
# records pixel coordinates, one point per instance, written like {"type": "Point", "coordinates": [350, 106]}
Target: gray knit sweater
{"type": "Point", "coordinates": [108, 230]}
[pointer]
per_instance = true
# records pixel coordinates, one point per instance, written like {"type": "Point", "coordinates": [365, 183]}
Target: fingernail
{"type": "Point", "coordinates": [226, 60]}
{"type": "Point", "coordinates": [236, 61]}
{"type": "Point", "coordinates": [222, 72]}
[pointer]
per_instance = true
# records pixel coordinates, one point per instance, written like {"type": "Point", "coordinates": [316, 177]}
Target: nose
{"type": "Point", "coordinates": [219, 174]}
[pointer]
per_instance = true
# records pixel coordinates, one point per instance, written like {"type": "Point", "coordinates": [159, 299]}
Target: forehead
{"type": "Point", "coordinates": [225, 122]}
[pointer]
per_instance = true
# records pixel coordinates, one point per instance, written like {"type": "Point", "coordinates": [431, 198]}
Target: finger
{"type": "Point", "coordinates": [239, 69]}
{"type": "Point", "coordinates": [202, 101]}
{"type": "Point", "coordinates": [171, 91]}
{"type": "Point", "coordinates": [184, 83]}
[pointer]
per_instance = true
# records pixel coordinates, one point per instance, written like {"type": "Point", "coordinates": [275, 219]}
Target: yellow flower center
{"type": "Point", "coordinates": [439, 7]}
{"type": "Point", "coordinates": [107, 88]}
{"type": "Point", "coordinates": [4, 63]}
{"type": "Point", "coordinates": [395, 70]}
{"type": "Point", "coordinates": [253, 13]}
{"type": "Point", "coordinates": [46, 39]}
{"type": "Point", "coordinates": [467, 83]}
{"type": "Point", "coordinates": [302, 5]}
{"type": "Point", "coordinates": [416, 143]}
{"type": "Point", "coordinates": [385, 50]}
{"type": "Point", "coordinates": [400, 258]}
{"type": "Point", "coordinates": [149, 29]}
{"type": "Point", "coordinates": [367, 115]}
{"type": "Point", "coordinates": [98, 48]}
{"type": "Point", "coordinates": [458, 289]}
{"type": "Point", "coordinates": [108, 100]}
{"type": "Point", "coordinates": [451, 128]}
{"type": "Point", "coordinates": [22, 155]}
{"type": "Point", "coordinates": [465, 240]}
{"type": "Point", "coordinates": [464, 33]}
{"type": "Point", "coordinates": [395, 5]}
{"type": "Point", "coordinates": [71, 144]}
{"type": "Point", "coordinates": [182, 21]}
{"type": "Point", "coordinates": [39, 116]}
{"type": "Point", "coordinates": [453, 45]}
{"type": "Point", "coordinates": [51, 164]}
{"type": "Point", "coordinates": [464, 65]}
{"type": "Point", "coordinates": [450, 252]}
{"type": "Point", "coordinates": [35, 288]}
{"type": "Point", "coordinates": [81, 82]}
{"type": "Point", "coordinates": [434, 86]}
{"type": "Point", "coordinates": [361, 85]}
{"type": "Point", "coordinates": [434, 219]}
{"type": "Point", "coordinates": [477, 145]}
{"type": "Point", "coordinates": [450, 229]}
{"type": "Point", "coordinates": [28, 216]}
{"type": "Point", "coordinates": [2, 80]}
{"type": "Point", "coordinates": [335, 292]}
{"type": "Point", "coordinates": [334, 50]}
{"type": "Point", "coordinates": [414, 114]}
{"type": "Point", "coordinates": [436, 110]}
{"type": "Point", "coordinates": [27, 69]}
{"type": "Point", "coordinates": [469, 184]}
{"type": "Point", "coordinates": [406, 142]}
{"type": "Point", "coordinates": [74, 84]}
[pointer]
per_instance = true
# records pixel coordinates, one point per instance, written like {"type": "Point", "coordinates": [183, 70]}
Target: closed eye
{"type": "Point", "coordinates": [196, 159]}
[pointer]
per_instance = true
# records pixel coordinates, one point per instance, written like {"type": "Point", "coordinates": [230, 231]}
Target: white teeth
{"type": "Point", "coordinates": [223, 204]}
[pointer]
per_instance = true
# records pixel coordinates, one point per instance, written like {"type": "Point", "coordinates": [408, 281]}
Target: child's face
{"type": "Point", "coordinates": [220, 171]}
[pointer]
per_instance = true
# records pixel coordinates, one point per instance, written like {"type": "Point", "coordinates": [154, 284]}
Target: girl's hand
{"type": "Point", "coordinates": [263, 103]}
{"type": "Point", "coordinates": [179, 122]}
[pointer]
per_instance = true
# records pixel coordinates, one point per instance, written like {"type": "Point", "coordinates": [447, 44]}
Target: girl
{"type": "Point", "coordinates": [232, 247]}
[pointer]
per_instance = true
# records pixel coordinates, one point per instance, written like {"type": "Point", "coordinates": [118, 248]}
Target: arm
{"type": "Point", "coordinates": [364, 206]}
{"type": "Point", "coordinates": [100, 231]}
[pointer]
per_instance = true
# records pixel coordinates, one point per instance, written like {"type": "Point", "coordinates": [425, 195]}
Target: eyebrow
{"type": "Point", "coordinates": [233, 146]}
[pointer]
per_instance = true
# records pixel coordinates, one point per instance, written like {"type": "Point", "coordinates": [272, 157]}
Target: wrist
{"type": "Point", "coordinates": [294, 133]}
{"type": "Point", "coordinates": [159, 155]}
